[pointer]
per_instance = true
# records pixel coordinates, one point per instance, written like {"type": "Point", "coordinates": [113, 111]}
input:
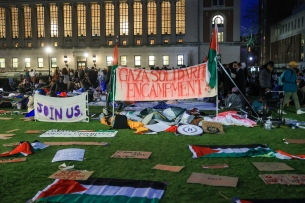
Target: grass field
{"type": "Point", "coordinates": [21, 181]}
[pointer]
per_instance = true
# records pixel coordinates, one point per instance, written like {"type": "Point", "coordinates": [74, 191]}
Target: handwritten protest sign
{"type": "Point", "coordinates": [213, 180]}
{"type": "Point", "coordinates": [168, 168]}
{"type": "Point", "coordinates": [5, 118]}
{"type": "Point", "coordinates": [294, 141]}
{"type": "Point", "coordinates": [11, 144]}
{"type": "Point", "coordinates": [2, 161]}
{"type": "Point", "coordinates": [71, 175]}
{"type": "Point", "coordinates": [34, 131]}
{"type": "Point", "coordinates": [283, 179]}
{"type": "Point", "coordinates": [10, 131]}
{"type": "Point", "coordinates": [269, 166]}
{"type": "Point", "coordinates": [55, 109]}
{"type": "Point", "coordinates": [131, 154]}
{"type": "Point", "coordinates": [133, 84]}
{"type": "Point", "coordinates": [76, 143]}
{"type": "Point", "coordinates": [72, 154]}
{"type": "Point", "coordinates": [215, 166]}
{"type": "Point", "coordinates": [66, 133]}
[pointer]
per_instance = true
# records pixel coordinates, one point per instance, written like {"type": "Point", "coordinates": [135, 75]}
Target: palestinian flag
{"type": "Point", "coordinates": [24, 149]}
{"type": "Point", "coordinates": [220, 151]}
{"type": "Point", "coordinates": [212, 59]}
{"type": "Point", "coordinates": [284, 155]}
{"type": "Point", "coordinates": [102, 190]}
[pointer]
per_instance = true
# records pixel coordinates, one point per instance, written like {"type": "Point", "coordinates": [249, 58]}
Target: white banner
{"type": "Point", "coordinates": [67, 133]}
{"type": "Point", "coordinates": [61, 109]}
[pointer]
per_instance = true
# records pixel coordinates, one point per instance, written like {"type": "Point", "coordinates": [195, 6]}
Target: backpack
{"type": "Point", "coordinates": [5, 104]}
{"type": "Point", "coordinates": [120, 122]}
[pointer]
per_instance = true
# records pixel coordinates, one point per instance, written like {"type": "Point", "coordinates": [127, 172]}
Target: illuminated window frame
{"type": "Point", "coordinates": [219, 20]}
{"type": "Point", "coordinates": [67, 10]}
{"type": "Point", "coordinates": [27, 62]}
{"type": "Point", "coordinates": [137, 18]}
{"type": "Point", "coordinates": [53, 62]}
{"type": "Point", "coordinates": [151, 60]}
{"type": "Point", "coordinates": [15, 22]}
{"type": "Point", "coordinates": [54, 20]}
{"type": "Point", "coordinates": [109, 19]}
{"type": "Point", "coordinates": [124, 42]}
{"type": "Point", "coordinates": [165, 60]}
{"type": "Point", "coordinates": [27, 16]}
{"type": "Point", "coordinates": [81, 20]}
{"type": "Point", "coordinates": [151, 18]}
{"type": "Point", "coordinates": [180, 60]}
{"type": "Point", "coordinates": [123, 60]}
{"type": "Point", "coordinates": [137, 61]}
{"type": "Point", "coordinates": [2, 23]}
{"type": "Point", "coordinates": [109, 60]}
{"type": "Point", "coordinates": [40, 20]}
{"type": "Point", "coordinates": [180, 17]}
{"type": "Point", "coordinates": [95, 19]}
{"type": "Point", "coordinates": [40, 62]}
{"type": "Point", "coordinates": [152, 42]}
{"type": "Point", "coordinates": [166, 17]}
{"type": "Point", "coordinates": [2, 62]}
{"type": "Point", "coordinates": [138, 42]}
{"type": "Point", "coordinates": [123, 18]}
{"type": "Point", "coordinates": [15, 62]}
{"type": "Point", "coordinates": [41, 44]}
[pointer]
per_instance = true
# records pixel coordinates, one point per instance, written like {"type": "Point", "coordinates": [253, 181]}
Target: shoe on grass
{"type": "Point", "coordinates": [281, 111]}
{"type": "Point", "coordinates": [300, 111]}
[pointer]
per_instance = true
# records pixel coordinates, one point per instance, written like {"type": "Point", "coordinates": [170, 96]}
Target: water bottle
{"type": "Point", "coordinates": [268, 125]}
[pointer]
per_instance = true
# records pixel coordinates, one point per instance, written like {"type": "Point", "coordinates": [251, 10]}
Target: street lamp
{"type": "Point", "coordinates": [49, 50]}
{"type": "Point", "coordinates": [94, 59]}
{"type": "Point", "coordinates": [66, 60]}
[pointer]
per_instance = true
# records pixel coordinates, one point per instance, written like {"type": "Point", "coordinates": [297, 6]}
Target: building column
{"type": "Point", "coordinates": [60, 19]}
{"type": "Point", "coordinates": [116, 19]}
{"type": "Point", "coordinates": [74, 25]}
{"type": "Point", "coordinates": [130, 23]}
{"type": "Point", "coordinates": [34, 25]}
{"type": "Point", "coordinates": [173, 22]}
{"type": "Point", "coordinates": [47, 22]}
{"type": "Point", "coordinates": [88, 24]}
{"type": "Point", "coordinates": [159, 22]}
{"type": "Point", "coordinates": [102, 23]}
{"type": "Point", "coordinates": [8, 26]}
{"type": "Point", "coordinates": [144, 22]}
{"type": "Point", "coordinates": [21, 25]}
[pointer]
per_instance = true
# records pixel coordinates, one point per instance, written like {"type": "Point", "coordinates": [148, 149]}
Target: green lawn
{"type": "Point", "coordinates": [20, 181]}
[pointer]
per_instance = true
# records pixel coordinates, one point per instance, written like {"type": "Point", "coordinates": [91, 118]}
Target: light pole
{"type": "Point", "coordinates": [49, 50]}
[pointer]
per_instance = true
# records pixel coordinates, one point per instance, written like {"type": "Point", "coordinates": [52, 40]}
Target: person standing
{"type": "Point", "coordinates": [265, 78]}
{"type": "Point", "coordinates": [55, 80]}
{"type": "Point", "coordinates": [65, 74]}
{"type": "Point", "coordinates": [290, 88]}
{"type": "Point", "coordinates": [32, 76]}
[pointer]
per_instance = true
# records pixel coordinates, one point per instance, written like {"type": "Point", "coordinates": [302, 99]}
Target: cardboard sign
{"type": "Point", "coordinates": [11, 144]}
{"type": "Point", "coordinates": [212, 127]}
{"type": "Point", "coordinates": [215, 166]}
{"type": "Point", "coordinates": [294, 141]}
{"type": "Point", "coordinates": [2, 161]}
{"type": "Point", "coordinates": [269, 166]}
{"type": "Point", "coordinates": [76, 143]}
{"type": "Point", "coordinates": [283, 179]}
{"type": "Point", "coordinates": [131, 154]}
{"type": "Point", "coordinates": [168, 168]}
{"type": "Point", "coordinates": [10, 131]}
{"type": "Point", "coordinates": [34, 131]}
{"type": "Point", "coordinates": [7, 135]}
{"type": "Point", "coordinates": [213, 180]}
{"type": "Point", "coordinates": [5, 118]}
{"type": "Point", "coordinates": [71, 175]}
{"type": "Point", "coordinates": [5, 138]}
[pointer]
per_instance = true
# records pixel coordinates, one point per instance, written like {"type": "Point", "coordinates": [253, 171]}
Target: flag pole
{"type": "Point", "coordinates": [216, 87]}
{"type": "Point", "coordinates": [114, 75]}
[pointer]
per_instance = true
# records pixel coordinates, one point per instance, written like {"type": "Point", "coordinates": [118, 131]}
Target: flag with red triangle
{"type": "Point", "coordinates": [211, 74]}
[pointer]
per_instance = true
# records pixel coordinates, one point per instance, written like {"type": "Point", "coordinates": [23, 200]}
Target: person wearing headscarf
{"type": "Point", "coordinates": [265, 78]}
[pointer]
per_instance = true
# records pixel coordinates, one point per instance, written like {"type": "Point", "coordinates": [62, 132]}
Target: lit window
{"type": "Point", "coordinates": [15, 62]}
{"type": "Point", "coordinates": [2, 23]}
{"type": "Point", "coordinates": [123, 18]}
{"type": "Point", "coordinates": [40, 62]}
{"type": "Point", "coordinates": [110, 42]}
{"type": "Point", "coordinates": [165, 41]}
{"type": "Point", "coordinates": [109, 60]}
{"type": "Point", "coordinates": [152, 17]}
{"type": "Point", "coordinates": [137, 61]}
{"type": "Point", "coordinates": [53, 62]}
{"type": "Point", "coordinates": [2, 62]}
{"type": "Point", "coordinates": [16, 44]}
{"type": "Point", "coordinates": [180, 17]}
{"type": "Point", "coordinates": [166, 17]}
{"type": "Point", "coordinates": [54, 20]}
{"type": "Point", "coordinates": [138, 42]}
{"type": "Point", "coordinates": [109, 21]}
{"type": "Point", "coordinates": [81, 20]}
{"type": "Point", "coordinates": [40, 21]}
{"type": "Point", "coordinates": [27, 62]}
{"type": "Point", "coordinates": [165, 60]}
{"type": "Point", "coordinates": [124, 42]}
{"type": "Point", "coordinates": [123, 60]}
{"type": "Point", "coordinates": [151, 60]}
{"type": "Point", "coordinates": [152, 41]}
{"type": "Point", "coordinates": [180, 40]}
{"type": "Point", "coordinates": [137, 17]}
{"type": "Point", "coordinates": [55, 44]}
{"type": "Point", "coordinates": [219, 20]}
{"type": "Point", "coordinates": [29, 44]}
{"type": "Point", "coordinates": [95, 19]}
{"type": "Point", "coordinates": [27, 21]}
{"type": "Point", "coordinates": [67, 20]}
{"type": "Point", "coordinates": [41, 44]}
{"type": "Point", "coordinates": [15, 22]}
{"type": "Point", "coordinates": [180, 61]}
